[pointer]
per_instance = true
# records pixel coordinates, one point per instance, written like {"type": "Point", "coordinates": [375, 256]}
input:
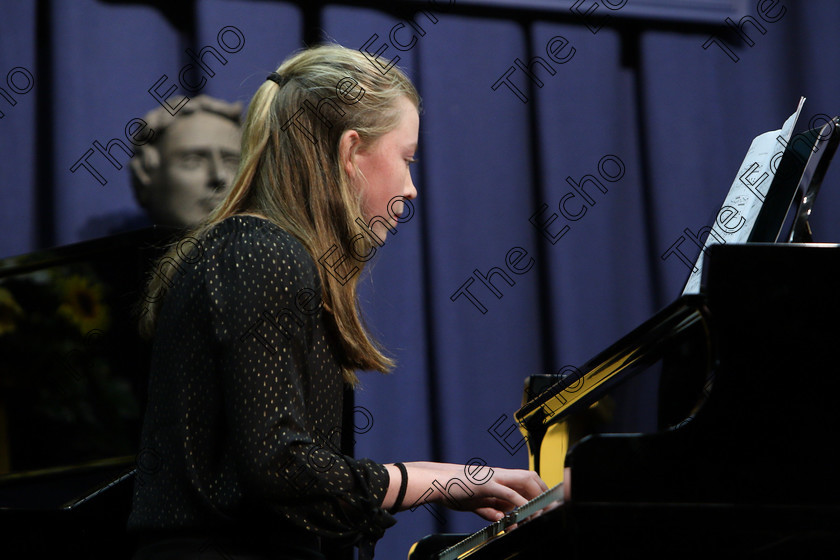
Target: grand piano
{"type": "Point", "coordinates": [744, 462]}
{"type": "Point", "coordinates": [750, 470]}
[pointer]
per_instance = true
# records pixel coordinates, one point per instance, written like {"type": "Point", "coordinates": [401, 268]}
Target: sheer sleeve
{"type": "Point", "coordinates": [281, 384]}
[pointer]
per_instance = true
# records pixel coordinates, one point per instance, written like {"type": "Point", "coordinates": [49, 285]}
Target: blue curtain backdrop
{"type": "Point", "coordinates": [660, 122]}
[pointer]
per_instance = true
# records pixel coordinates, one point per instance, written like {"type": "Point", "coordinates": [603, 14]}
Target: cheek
{"type": "Point", "coordinates": [397, 174]}
{"type": "Point", "coordinates": [386, 175]}
{"type": "Point", "coordinates": [185, 180]}
{"type": "Point", "coordinates": [391, 184]}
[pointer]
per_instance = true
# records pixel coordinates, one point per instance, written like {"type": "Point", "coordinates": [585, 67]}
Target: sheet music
{"type": "Point", "coordinates": [747, 193]}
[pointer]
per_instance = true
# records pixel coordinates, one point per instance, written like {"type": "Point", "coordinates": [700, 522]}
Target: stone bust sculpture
{"type": "Point", "coordinates": [184, 171]}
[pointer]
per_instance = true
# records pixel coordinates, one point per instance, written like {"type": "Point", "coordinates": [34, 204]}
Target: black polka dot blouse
{"type": "Point", "coordinates": [243, 422]}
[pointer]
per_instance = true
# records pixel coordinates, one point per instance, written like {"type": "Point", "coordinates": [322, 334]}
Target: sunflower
{"type": "Point", "coordinates": [9, 310]}
{"type": "Point", "coordinates": [82, 304]}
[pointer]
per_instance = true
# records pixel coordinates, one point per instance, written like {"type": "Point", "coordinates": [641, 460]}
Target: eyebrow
{"type": "Point", "coordinates": [204, 151]}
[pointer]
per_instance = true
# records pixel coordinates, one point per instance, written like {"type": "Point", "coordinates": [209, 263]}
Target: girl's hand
{"type": "Point", "coordinates": [489, 492]}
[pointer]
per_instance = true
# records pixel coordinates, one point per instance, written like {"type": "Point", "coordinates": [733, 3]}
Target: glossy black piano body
{"type": "Point", "coordinates": [76, 512]}
{"type": "Point", "coordinates": [66, 486]}
{"type": "Point", "coordinates": [71, 403]}
{"type": "Point", "coordinates": [753, 471]}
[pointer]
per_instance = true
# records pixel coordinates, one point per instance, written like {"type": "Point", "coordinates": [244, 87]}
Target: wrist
{"type": "Point", "coordinates": [418, 489]}
{"type": "Point", "coordinates": [393, 487]}
{"type": "Point", "coordinates": [398, 502]}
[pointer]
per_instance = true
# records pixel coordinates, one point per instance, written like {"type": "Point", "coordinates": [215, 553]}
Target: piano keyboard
{"type": "Point", "coordinates": [515, 516]}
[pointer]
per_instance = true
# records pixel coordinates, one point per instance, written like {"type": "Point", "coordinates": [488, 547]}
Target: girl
{"type": "Point", "coordinates": [257, 330]}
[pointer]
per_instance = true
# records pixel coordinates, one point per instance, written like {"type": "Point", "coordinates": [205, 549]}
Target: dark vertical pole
{"type": "Point", "coordinates": [45, 179]}
{"type": "Point", "coordinates": [185, 16]}
{"type": "Point", "coordinates": [545, 291]}
{"type": "Point", "coordinates": [631, 57]}
{"type": "Point", "coordinates": [311, 22]}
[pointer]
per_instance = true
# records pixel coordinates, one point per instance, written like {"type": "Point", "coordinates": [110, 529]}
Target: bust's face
{"type": "Point", "coordinates": [199, 155]}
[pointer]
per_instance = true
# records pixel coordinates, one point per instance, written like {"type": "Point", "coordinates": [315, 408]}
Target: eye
{"type": "Point", "coordinates": [191, 160]}
{"type": "Point", "coordinates": [232, 162]}
{"type": "Point", "coordinates": [410, 160]}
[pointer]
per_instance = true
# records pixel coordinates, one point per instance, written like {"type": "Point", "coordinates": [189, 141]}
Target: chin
{"type": "Point", "coordinates": [381, 231]}
{"type": "Point", "coordinates": [184, 221]}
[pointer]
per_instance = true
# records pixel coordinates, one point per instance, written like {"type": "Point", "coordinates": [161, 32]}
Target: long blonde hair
{"type": "Point", "coordinates": [290, 172]}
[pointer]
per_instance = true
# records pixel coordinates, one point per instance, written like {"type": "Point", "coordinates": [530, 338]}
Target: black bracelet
{"type": "Point", "coordinates": [403, 485]}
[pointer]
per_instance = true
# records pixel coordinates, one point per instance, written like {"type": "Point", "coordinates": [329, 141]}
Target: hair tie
{"type": "Point", "coordinates": [403, 486]}
{"type": "Point", "coordinates": [277, 78]}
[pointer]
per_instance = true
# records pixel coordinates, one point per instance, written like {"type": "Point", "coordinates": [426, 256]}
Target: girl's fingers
{"type": "Point", "coordinates": [509, 495]}
{"type": "Point", "coordinates": [526, 483]}
{"type": "Point", "coordinates": [489, 513]}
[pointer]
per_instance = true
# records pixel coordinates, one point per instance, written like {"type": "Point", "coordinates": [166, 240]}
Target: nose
{"type": "Point", "coordinates": [410, 189]}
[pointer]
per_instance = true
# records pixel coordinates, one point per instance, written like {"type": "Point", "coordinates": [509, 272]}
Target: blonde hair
{"type": "Point", "coordinates": [290, 172]}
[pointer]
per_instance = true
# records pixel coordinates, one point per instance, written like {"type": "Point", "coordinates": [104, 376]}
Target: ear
{"type": "Point", "coordinates": [348, 147]}
{"type": "Point", "coordinates": [144, 165]}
